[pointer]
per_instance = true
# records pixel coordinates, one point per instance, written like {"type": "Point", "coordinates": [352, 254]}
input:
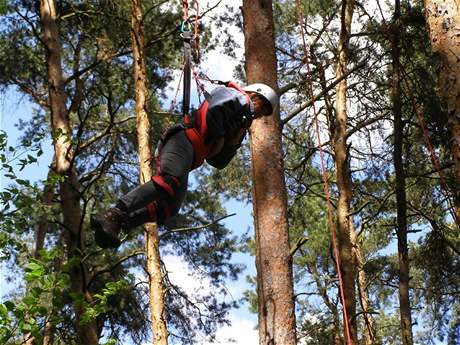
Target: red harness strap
{"type": "Point", "coordinates": [235, 86]}
{"type": "Point", "coordinates": [197, 134]}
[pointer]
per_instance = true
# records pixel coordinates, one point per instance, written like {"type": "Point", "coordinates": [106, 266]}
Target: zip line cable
{"type": "Point", "coordinates": [301, 21]}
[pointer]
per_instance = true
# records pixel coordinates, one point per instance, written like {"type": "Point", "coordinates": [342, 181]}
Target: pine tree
{"type": "Point", "coordinates": [273, 262]}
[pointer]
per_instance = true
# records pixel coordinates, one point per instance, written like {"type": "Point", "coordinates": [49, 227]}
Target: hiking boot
{"type": "Point", "coordinates": [107, 227]}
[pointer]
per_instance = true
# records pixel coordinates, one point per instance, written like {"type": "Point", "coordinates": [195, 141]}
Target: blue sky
{"type": "Point", "coordinates": [14, 106]}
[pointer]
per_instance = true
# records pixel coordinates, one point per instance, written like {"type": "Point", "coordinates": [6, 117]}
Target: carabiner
{"type": "Point", "coordinates": [185, 26]}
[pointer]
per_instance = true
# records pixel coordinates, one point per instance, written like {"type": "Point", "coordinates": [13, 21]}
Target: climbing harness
{"type": "Point", "coordinates": [301, 21]}
{"type": "Point", "coordinates": [194, 123]}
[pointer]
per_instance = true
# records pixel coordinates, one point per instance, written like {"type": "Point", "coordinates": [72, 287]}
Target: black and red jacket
{"type": "Point", "coordinates": [226, 110]}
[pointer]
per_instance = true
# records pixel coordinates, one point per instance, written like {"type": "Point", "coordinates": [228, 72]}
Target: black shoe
{"type": "Point", "coordinates": [107, 227]}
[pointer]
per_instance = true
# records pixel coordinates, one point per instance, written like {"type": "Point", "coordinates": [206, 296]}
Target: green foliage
{"type": "Point", "coordinates": [18, 198]}
{"type": "Point", "coordinates": [95, 38]}
{"type": "Point", "coordinates": [3, 7]}
{"type": "Point", "coordinates": [41, 302]}
{"type": "Point", "coordinates": [100, 302]}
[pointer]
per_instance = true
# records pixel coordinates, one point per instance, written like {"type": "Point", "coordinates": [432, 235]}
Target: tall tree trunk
{"type": "Point", "coordinates": [273, 262]}
{"type": "Point", "coordinates": [401, 206]}
{"type": "Point", "coordinates": [152, 240]}
{"type": "Point", "coordinates": [68, 187]}
{"type": "Point", "coordinates": [322, 290]}
{"type": "Point", "coordinates": [43, 223]}
{"type": "Point", "coordinates": [369, 328]}
{"type": "Point", "coordinates": [343, 174]}
{"type": "Point", "coordinates": [443, 18]}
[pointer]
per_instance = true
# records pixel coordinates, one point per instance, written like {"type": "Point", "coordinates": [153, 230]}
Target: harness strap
{"type": "Point", "coordinates": [232, 85]}
{"type": "Point", "coordinates": [186, 37]}
{"type": "Point", "coordinates": [196, 137]}
{"type": "Point", "coordinates": [195, 126]}
{"type": "Point", "coordinates": [235, 86]}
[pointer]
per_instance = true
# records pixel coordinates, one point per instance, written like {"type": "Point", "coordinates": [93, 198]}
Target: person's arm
{"type": "Point", "coordinates": [223, 157]}
{"type": "Point", "coordinates": [224, 116]}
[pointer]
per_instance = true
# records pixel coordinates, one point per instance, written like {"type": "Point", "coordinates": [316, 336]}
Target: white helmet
{"type": "Point", "coordinates": [266, 92]}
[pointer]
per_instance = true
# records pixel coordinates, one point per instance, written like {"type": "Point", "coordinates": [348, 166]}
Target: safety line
{"type": "Point", "coordinates": [426, 135]}
{"type": "Point", "coordinates": [187, 64]}
{"type": "Point", "coordinates": [173, 103]}
{"type": "Point", "coordinates": [323, 171]}
{"type": "Point", "coordinates": [197, 47]}
{"type": "Point", "coordinates": [185, 9]}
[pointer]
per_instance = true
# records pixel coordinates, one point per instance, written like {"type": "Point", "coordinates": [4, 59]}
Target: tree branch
{"type": "Point", "coordinates": [321, 94]}
{"type": "Point", "coordinates": [119, 262]}
{"type": "Point", "coordinates": [299, 243]}
{"type": "Point", "coordinates": [196, 228]}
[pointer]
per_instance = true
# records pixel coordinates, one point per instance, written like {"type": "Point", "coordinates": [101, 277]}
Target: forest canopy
{"type": "Point", "coordinates": [354, 179]}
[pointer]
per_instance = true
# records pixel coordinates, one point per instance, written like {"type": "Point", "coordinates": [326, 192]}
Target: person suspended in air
{"type": "Point", "coordinates": [213, 133]}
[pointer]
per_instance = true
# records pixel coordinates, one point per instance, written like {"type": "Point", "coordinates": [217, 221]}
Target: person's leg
{"type": "Point", "coordinates": [157, 211]}
{"type": "Point", "coordinates": [173, 166]}
{"type": "Point", "coordinates": [155, 200]}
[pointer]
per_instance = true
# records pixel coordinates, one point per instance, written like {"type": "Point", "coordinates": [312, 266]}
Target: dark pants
{"type": "Point", "coordinates": [162, 197]}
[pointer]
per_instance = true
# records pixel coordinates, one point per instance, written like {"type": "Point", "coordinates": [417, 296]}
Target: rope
{"type": "Point", "coordinates": [173, 103]}
{"type": "Point", "coordinates": [196, 55]}
{"type": "Point", "coordinates": [186, 70]}
{"type": "Point", "coordinates": [200, 86]}
{"type": "Point", "coordinates": [323, 171]}
{"type": "Point", "coordinates": [426, 136]}
{"type": "Point", "coordinates": [186, 38]}
{"type": "Point", "coordinates": [185, 9]}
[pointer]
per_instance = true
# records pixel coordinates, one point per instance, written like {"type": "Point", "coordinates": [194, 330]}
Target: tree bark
{"type": "Point", "coordinates": [273, 262]}
{"type": "Point", "coordinates": [68, 187]}
{"type": "Point", "coordinates": [401, 205]}
{"type": "Point", "coordinates": [43, 223]}
{"type": "Point", "coordinates": [152, 240]}
{"type": "Point", "coordinates": [443, 17]}
{"type": "Point", "coordinates": [343, 174]}
{"type": "Point", "coordinates": [322, 291]}
{"type": "Point", "coordinates": [369, 328]}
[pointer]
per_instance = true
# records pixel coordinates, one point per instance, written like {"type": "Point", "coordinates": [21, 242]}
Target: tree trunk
{"type": "Point", "coordinates": [68, 187]}
{"type": "Point", "coordinates": [443, 18]}
{"type": "Point", "coordinates": [322, 291]}
{"type": "Point", "coordinates": [347, 262]}
{"type": "Point", "coordinates": [273, 262]}
{"type": "Point", "coordinates": [369, 328]}
{"type": "Point", "coordinates": [43, 223]}
{"type": "Point", "coordinates": [401, 206]}
{"type": "Point", "coordinates": [152, 240]}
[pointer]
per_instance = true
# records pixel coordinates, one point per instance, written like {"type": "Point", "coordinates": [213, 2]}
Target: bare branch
{"type": "Point", "coordinates": [321, 94]}
{"type": "Point", "coordinates": [299, 243]}
{"type": "Point", "coordinates": [196, 228]}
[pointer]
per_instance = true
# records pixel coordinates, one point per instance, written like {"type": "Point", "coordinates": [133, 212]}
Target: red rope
{"type": "Point", "coordinates": [185, 9]}
{"type": "Point", "coordinates": [197, 47]}
{"type": "Point", "coordinates": [435, 161]}
{"type": "Point", "coordinates": [199, 84]}
{"type": "Point", "coordinates": [173, 102]}
{"type": "Point", "coordinates": [426, 136]}
{"type": "Point", "coordinates": [325, 181]}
